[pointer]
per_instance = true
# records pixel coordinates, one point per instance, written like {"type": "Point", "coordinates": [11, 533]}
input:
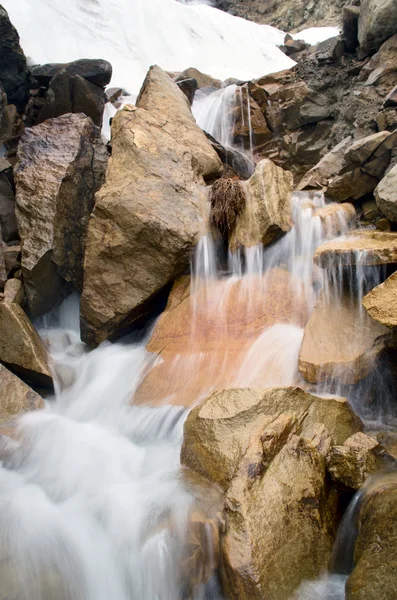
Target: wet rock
{"type": "Point", "coordinates": [381, 302]}
{"type": "Point", "coordinates": [374, 575]}
{"type": "Point", "coordinates": [351, 463]}
{"type": "Point", "coordinates": [350, 17]}
{"type": "Point", "coordinates": [218, 433]}
{"type": "Point", "coordinates": [14, 76]}
{"type": "Point", "coordinates": [21, 348]}
{"type": "Point", "coordinates": [219, 352]}
{"type": "Point", "coordinates": [386, 195]}
{"type": "Point", "coordinates": [96, 71]}
{"type": "Point", "coordinates": [14, 292]}
{"type": "Point", "coordinates": [73, 94]}
{"type": "Point", "coordinates": [146, 217]}
{"type": "Point", "coordinates": [61, 164]}
{"type": "Point", "coordinates": [377, 23]}
{"type": "Point", "coordinates": [15, 396]}
{"type": "Point", "coordinates": [367, 247]}
{"type": "Point", "coordinates": [267, 213]}
{"type": "Point", "coordinates": [339, 342]}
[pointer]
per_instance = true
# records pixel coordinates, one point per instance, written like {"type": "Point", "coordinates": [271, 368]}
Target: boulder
{"type": "Point", "coordinates": [188, 85]}
{"type": "Point", "coordinates": [61, 164]}
{"type": "Point", "coordinates": [267, 213]}
{"type": "Point", "coordinates": [350, 17]}
{"type": "Point", "coordinates": [330, 50]}
{"type": "Point", "coordinates": [14, 292]}
{"type": "Point", "coordinates": [377, 23]}
{"type": "Point", "coordinates": [340, 342]}
{"type": "Point", "coordinates": [353, 462]}
{"type": "Point", "coordinates": [14, 76]}
{"type": "Point", "coordinates": [73, 94]}
{"type": "Point", "coordinates": [218, 433]}
{"type": "Point", "coordinates": [94, 70]}
{"type": "Point", "coordinates": [381, 302]}
{"type": "Point", "coordinates": [12, 253]}
{"type": "Point", "coordinates": [375, 568]}
{"type": "Point", "coordinates": [21, 348]}
{"type": "Point", "coordinates": [366, 247]}
{"type": "Point", "coordinates": [391, 98]}
{"type": "Point", "coordinates": [361, 150]}
{"type": "Point", "coordinates": [266, 450]}
{"type": "Point", "coordinates": [8, 221]}
{"type": "Point", "coordinates": [216, 328]}
{"type": "Point", "coordinates": [386, 195]}
{"type": "Point", "coordinates": [7, 114]}
{"type": "Point", "coordinates": [146, 217]}
{"type": "Point", "coordinates": [15, 396]}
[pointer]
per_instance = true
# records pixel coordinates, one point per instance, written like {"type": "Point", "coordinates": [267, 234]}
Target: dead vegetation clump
{"type": "Point", "coordinates": [227, 202]}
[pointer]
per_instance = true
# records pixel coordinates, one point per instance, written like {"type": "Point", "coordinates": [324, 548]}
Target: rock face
{"type": "Point", "coordinates": [374, 575]}
{"type": "Point", "coordinates": [339, 342]}
{"type": "Point", "coordinates": [377, 22]}
{"type": "Point", "coordinates": [13, 70]}
{"type": "Point", "coordinates": [204, 339]}
{"type": "Point", "coordinates": [21, 348]}
{"type": "Point", "coordinates": [266, 450]}
{"type": "Point", "coordinates": [61, 165]}
{"type": "Point", "coordinates": [381, 302]}
{"type": "Point", "coordinates": [367, 247]}
{"type": "Point", "coordinates": [351, 463]}
{"type": "Point", "coordinates": [267, 212]}
{"type": "Point", "coordinates": [15, 396]}
{"type": "Point", "coordinates": [146, 217]}
{"type": "Point", "coordinates": [8, 221]}
{"type": "Point", "coordinates": [386, 195]}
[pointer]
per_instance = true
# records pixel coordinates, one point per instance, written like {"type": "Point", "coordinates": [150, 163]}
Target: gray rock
{"type": "Point", "coordinates": [97, 71]}
{"type": "Point", "coordinates": [13, 69]}
{"type": "Point", "coordinates": [350, 17]}
{"type": "Point", "coordinates": [377, 22]}
{"type": "Point", "coordinates": [386, 195]}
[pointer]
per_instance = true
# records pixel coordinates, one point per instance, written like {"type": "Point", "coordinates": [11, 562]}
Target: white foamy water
{"type": "Point", "coordinates": [135, 34]}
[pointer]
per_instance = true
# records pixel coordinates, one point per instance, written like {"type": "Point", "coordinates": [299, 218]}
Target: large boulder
{"type": "Point", "coordinates": [377, 22]}
{"type": "Point", "coordinates": [15, 396]}
{"type": "Point", "coordinates": [267, 450]}
{"type": "Point", "coordinates": [146, 217]}
{"type": "Point", "coordinates": [386, 195]}
{"type": "Point", "coordinates": [21, 348]}
{"type": "Point", "coordinates": [73, 94]}
{"type": "Point", "coordinates": [366, 247]}
{"type": "Point", "coordinates": [351, 463]}
{"type": "Point", "coordinates": [61, 165]}
{"type": "Point", "coordinates": [215, 326]}
{"type": "Point", "coordinates": [340, 342]}
{"type": "Point", "coordinates": [267, 212]}
{"type": "Point", "coordinates": [381, 302]}
{"type": "Point", "coordinates": [14, 75]}
{"type": "Point", "coordinates": [375, 567]}
{"type": "Point", "coordinates": [94, 70]}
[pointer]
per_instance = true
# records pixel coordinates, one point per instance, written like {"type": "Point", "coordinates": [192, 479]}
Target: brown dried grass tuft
{"type": "Point", "coordinates": [227, 201]}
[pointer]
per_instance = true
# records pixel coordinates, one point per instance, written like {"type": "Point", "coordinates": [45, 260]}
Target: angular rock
{"type": "Point", "coordinates": [217, 433]}
{"type": "Point", "coordinates": [330, 50]}
{"type": "Point", "coordinates": [351, 463]}
{"type": "Point", "coordinates": [146, 217]}
{"type": "Point", "coordinates": [6, 117]}
{"type": "Point", "coordinates": [361, 150]}
{"type": "Point", "coordinates": [188, 85]}
{"type": "Point", "coordinates": [375, 575]}
{"type": "Point", "coordinates": [340, 342]}
{"type": "Point", "coordinates": [391, 98]}
{"type": "Point", "coordinates": [21, 348]}
{"type": "Point", "coordinates": [377, 23]}
{"type": "Point", "coordinates": [12, 254]}
{"type": "Point", "coordinates": [330, 165]}
{"type": "Point", "coordinates": [15, 396]}
{"type": "Point", "coordinates": [386, 195]}
{"type": "Point", "coordinates": [14, 75]}
{"type": "Point", "coordinates": [366, 247]}
{"type": "Point", "coordinates": [3, 270]}
{"type": "Point", "coordinates": [8, 222]}
{"type": "Point", "coordinates": [60, 166]}
{"type": "Point", "coordinates": [352, 185]}
{"type": "Point", "coordinates": [350, 17]}
{"type": "Point", "coordinates": [94, 70]}
{"type": "Point", "coordinates": [73, 94]}
{"type": "Point", "coordinates": [267, 213]}
{"type": "Point", "coordinates": [14, 292]}
{"type": "Point", "coordinates": [381, 302]}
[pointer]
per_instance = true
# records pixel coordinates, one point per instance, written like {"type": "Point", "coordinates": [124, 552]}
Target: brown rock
{"type": "Point", "coordinates": [54, 202]}
{"type": "Point", "coordinates": [367, 247]}
{"type": "Point", "coordinates": [21, 348]}
{"type": "Point", "coordinates": [331, 164]}
{"type": "Point", "coordinates": [339, 342]}
{"type": "Point", "coordinates": [375, 571]}
{"type": "Point", "coordinates": [377, 23]}
{"type": "Point", "coordinates": [361, 150]}
{"type": "Point", "coordinates": [14, 292]}
{"type": "Point", "coordinates": [218, 433]}
{"type": "Point", "coordinates": [381, 302]}
{"type": "Point", "coordinates": [146, 218]}
{"type": "Point", "coordinates": [391, 98]}
{"type": "Point", "coordinates": [351, 463]}
{"type": "Point", "coordinates": [267, 214]}
{"type": "Point", "coordinates": [15, 396]}
{"type": "Point", "coordinates": [8, 221]}
{"type": "Point", "coordinates": [386, 195]}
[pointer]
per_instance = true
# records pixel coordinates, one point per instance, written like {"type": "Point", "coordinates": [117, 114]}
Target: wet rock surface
{"type": "Point", "coordinates": [15, 396]}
